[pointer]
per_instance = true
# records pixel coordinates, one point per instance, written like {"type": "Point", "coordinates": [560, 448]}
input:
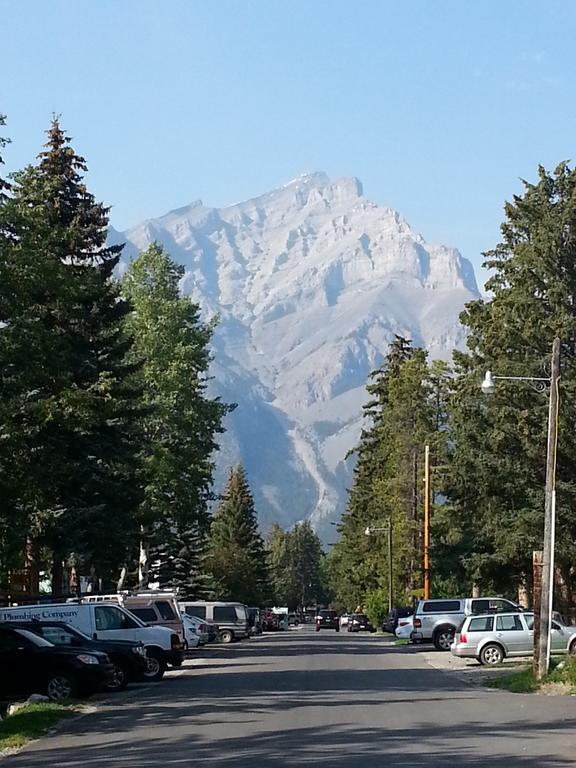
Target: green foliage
{"type": "Point", "coordinates": [517, 682]}
{"type": "Point", "coordinates": [498, 470]}
{"type": "Point", "coordinates": [376, 606]}
{"type": "Point", "coordinates": [181, 422]}
{"type": "Point", "coordinates": [237, 558]}
{"type": "Point", "coordinates": [295, 562]}
{"type": "Point", "coordinates": [68, 408]}
{"type": "Point", "coordinates": [406, 411]}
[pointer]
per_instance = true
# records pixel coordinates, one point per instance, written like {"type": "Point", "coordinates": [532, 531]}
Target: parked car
{"type": "Point", "coordinates": [231, 618]}
{"type": "Point", "coordinates": [358, 622]}
{"type": "Point", "coordinates": [108, 621]}
{"type": "Point", "coordinates": [31, 664]}
{"type": "Point", "coordinates": [437, 620]}
{"type": "Point", "coordinates": [327, 619]}
{"type": "Point", "coordinates": [390, 623]}
{"type": "Point", "coordinates": [128, 657]}
{"type": "Point", "coordinates": [270, 621]}
{"type": "Point", "coordinates": [344, 620]}
{"type": "Point", "coordinates": [491, 638]}
{"type": "Point", "coordinates": [405, 628]}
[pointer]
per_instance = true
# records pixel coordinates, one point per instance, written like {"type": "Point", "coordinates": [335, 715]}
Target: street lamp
{"type": "Point", "coordinates": [368, 531]}
{"type": "Point", "coordinates": [542, 648]}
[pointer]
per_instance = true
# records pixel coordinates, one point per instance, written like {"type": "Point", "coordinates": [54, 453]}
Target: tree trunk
{"type": "Point", "coordinates": [57, 574]}
{"type": "Point", "coordinates": [32, 566]}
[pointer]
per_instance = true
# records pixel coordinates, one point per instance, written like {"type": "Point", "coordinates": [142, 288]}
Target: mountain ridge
{"type": "Point", "coordinates": [311, 281]}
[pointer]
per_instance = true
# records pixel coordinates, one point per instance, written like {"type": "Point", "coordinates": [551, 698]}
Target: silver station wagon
{"type": "Point", "coordinates": [490, 639]}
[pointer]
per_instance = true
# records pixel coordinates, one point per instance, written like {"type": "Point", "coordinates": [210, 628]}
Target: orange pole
{"type": "Point", "coordinates": [427, 523]}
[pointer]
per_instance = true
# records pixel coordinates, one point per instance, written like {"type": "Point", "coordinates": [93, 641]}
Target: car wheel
{"type": "Point", "coordinates": [443, 638]}
{"type": "Point", "coordinates": [337, 629]}
{"type": "Point", "coordinates": [226, 636]}
{"type": "Point", "coordinates": [61, 686]}
{"type": "Point", "coordinates": [156, 665]}
{"type": "Point", "coordinates": [119, 677]}
{"type": "Point", "coordinates": [491, 655]}
{"type": "Point", "coordinates": [572, 649]}
{"type": "Point", "coordinates": [317, 629]}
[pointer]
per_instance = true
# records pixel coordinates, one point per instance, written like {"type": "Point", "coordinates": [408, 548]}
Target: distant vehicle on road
{"type": "Point", "coordinates": [491, 638]}
{"type": "Point", "coordinates": [359, 622]}
{"type": "Point", "coordinates": [327, 619]}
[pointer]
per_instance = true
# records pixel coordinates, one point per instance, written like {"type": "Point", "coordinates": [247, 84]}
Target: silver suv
{"type": "Point", "coordinates": [438, 620]}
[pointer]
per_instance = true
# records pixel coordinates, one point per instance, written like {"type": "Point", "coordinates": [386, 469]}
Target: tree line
{"type": "Point", "coordinates": [488, 453]}
{"type": "Point", "coordinates": [108, 434]}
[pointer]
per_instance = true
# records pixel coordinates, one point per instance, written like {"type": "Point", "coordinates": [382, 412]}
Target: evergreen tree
{"type": "Point", "coordinates": [68, 404]}
{"type": "Point", "coordinates": [295, 561]}
{"type": "Point", "coordinates": [237, 555]}
{"type": "Point", "coordinates": [499, 467]}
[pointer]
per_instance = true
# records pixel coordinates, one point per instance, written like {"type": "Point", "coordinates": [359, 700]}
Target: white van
{"type": "Point", "coordinates": [153, 608]}
{"type": "Point", "coordinates": [108, 621]}
{"type": "Point", "coordinates": [231, 618]}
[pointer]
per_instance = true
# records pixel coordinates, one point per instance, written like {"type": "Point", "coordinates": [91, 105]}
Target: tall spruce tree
{"type": "Point", "coordinates": [181, 424]}
{"type": "Point", "coordinates": [69, 405]}
{"type": "Point", "coordinates": [295, 562]}
{"type": "Point", "coordinates": [499, 467]}
{"type": "Point", "coordinates": [237, 554]}
{"type": "Point", "coordinates": [404, 415]}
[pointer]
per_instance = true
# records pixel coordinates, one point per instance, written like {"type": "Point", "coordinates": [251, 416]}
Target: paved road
{"type": "Point", "coordinates": [302, 698]}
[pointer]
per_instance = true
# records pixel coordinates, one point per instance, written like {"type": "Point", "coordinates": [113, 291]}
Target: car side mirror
{"type": "Point", "coordinates": [95, 636]}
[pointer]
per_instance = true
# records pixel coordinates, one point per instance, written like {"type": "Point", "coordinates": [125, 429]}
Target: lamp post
{"type": "Point", "coordinates": [542, 649]}
{"type": "Point", "coordinates": [368, 532]}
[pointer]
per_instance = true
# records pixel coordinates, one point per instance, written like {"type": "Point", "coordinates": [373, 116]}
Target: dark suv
{"type": "Point", "coordinates": [327, 620]}
{"type": "Point", "coordinates": [128, 657]}
{"type": "Point", "coordinates": [390, 623]}
{"type": "Point", "coordinates": [30, 664]}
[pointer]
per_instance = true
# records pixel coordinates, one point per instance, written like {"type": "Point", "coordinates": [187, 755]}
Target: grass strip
{"type": "Point", "coordinates": [30, 722]}
{"type": "Point", "coordinates": [562, 673]}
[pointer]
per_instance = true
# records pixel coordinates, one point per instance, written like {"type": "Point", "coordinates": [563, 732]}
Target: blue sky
{"type": "Point", "coordinates": [439, 107]}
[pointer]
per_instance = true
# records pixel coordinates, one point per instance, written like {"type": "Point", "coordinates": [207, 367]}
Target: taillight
{"type": "Point", "coordinates": [403, 623]}
{"type": "Point", "coordinates": [175, 642]}
{"type": "Point", "coordinates": [417, 623]}
{"type": "Point", "coordinates": [463, 638]}
{"type": "Point", "coordinates": [203, 628]}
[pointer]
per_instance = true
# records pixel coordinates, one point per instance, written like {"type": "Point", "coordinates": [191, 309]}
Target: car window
{"type": "Point", "coordinates": [224, 613]}
{"type": "Point", "coordinates": [442, 606]}
{"type": "Point", "coordinates": [481, 624]}
{"type": "Point", "coordinates": [107, 617]}
{"type": "Point", "coordinates": [196, 610]}
{"type": "Point", "coordinates": [145, 614]}
{"type": "Point", "coordinates": [508, 624]}
{"type": "Point", "coordinates": [166, 610]}
{"type": "Point", "coordinates": [529, 619]}
{"type": "Point", "coordinates": [57, 635]}
{"type": "Point", "coordinates": [10, 641]}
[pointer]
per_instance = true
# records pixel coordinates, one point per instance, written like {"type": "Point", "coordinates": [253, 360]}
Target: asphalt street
{"type": "Point", "coordinates": [303, 698]}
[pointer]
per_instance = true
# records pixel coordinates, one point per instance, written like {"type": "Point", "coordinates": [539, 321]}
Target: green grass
{"type": "Point", "coordinates": [30, 722]}
{"type": "Point", "coordinates": [398, 641]}
{"type": "Point", "coordinates": [561, 671]}
{"type": "Point", "coordinates": [517, 682]}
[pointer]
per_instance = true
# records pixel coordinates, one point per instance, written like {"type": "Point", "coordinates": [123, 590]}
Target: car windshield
{"type": "Point", "coordinates": [36, 639]}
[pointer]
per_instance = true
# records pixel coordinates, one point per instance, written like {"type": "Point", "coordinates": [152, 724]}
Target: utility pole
{"type": "Point", "coordinates": [542, 651]}
{"type": "Point", "coordinates": [390, 586]}
{"type": "Point", "coordinates": [427, 523]}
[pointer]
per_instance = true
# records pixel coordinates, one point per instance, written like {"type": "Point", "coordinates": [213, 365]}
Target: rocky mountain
{"type": "Point", "coordinates": [311, 281]}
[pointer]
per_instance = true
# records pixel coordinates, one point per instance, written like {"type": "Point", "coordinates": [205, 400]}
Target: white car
{"type": "Point", "coordinates": [192, 631]}
{"type": "Point", "coordinates": [344, 619]}
{"type": "Point", "coordinates": [405, 628]}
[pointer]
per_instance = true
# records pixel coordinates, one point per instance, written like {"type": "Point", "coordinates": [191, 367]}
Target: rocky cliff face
{"type": "Point", "coordinates": [311, 281]}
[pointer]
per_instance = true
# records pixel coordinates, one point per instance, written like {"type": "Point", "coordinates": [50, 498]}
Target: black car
{"type": "Point", "coordinates": [31, 664]}
{"type": "Point", "coordinates": [358, 622]}
{"type": "Point", "coordinates": [128, 657]}
{"type": "Point", "coordinates": [390, 623]}
{"type": "Point", "coordinates": [327, 620]}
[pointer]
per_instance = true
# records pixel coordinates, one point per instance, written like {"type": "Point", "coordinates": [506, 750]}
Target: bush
{"type": "Point", "coordinates": [377, 606]}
